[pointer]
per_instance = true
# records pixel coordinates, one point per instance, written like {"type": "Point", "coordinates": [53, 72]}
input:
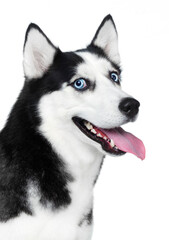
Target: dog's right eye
{"type": "Point", "coordinates": [80, 84]}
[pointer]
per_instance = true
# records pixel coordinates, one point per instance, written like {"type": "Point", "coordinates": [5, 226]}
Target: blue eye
{"type": "Point", "coordinates": [80, 84]}
{"type": "Point", "coordinates": [114, 76]}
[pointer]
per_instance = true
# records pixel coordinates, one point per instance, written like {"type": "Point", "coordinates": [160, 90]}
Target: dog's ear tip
{"type": "Point", "coordinates": [108, 16]}
{"type": "Point", "coordinates": [33, 30]}
{"type": "Point", "coordinates": [106, 38]}
{"type": "Point", "coordinates": [32, 26]}
{"type": "Point", "coordinates": [38, 52]}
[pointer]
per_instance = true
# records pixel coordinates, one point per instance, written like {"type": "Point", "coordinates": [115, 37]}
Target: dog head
{"type": "Point", "coordinates": [80, 92]}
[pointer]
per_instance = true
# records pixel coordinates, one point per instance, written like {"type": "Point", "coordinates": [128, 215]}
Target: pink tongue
{"type": "Point", "coordinates": [126, 142]}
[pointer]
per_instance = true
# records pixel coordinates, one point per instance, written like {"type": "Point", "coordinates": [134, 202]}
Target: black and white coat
{"type": "Point", "coordinates": [48, 168]}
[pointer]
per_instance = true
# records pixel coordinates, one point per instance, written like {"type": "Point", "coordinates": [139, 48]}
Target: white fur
{"type": "Point", "coordinates": [107, 39]}
{"type": "Point", "coordinates": [38, 54]}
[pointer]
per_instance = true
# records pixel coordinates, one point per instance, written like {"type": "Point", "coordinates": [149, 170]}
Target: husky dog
{"type": "Point", "coordinates": [65, 120]}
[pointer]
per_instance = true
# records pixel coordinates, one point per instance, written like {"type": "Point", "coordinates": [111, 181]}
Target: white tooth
{"type": "Point", "coordinates": [105, 138]}
{"type": "Point", "coordinates": [99, 135]}
{"type": "Point", "coordinates": [89, 126]}
{"type": "Point", "coordinates": [111, 143]}
{"type": "Point", "coordinates": [93, 131]}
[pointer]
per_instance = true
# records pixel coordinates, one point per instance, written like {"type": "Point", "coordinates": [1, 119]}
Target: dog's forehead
{"type": "Point", "coordinates": [93, 65]}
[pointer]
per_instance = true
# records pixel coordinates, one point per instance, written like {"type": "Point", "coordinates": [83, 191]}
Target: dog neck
{"type": "Point", "coordinates": [60, 164]}
{"type": "Point", "coordinates": [81, 159]}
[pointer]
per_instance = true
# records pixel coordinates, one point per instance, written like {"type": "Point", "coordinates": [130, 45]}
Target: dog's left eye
{"type": "Point", "coordinates": [115, 77]}
{"type": "Point", "coordinates": [80, 84]}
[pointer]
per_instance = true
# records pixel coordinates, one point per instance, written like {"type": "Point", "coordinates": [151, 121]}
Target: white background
{"type": "Point", "coordinates": [131, 196]}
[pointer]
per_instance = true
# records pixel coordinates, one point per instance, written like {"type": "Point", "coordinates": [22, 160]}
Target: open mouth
{"type": "Point", "coordinates": [115, 141]}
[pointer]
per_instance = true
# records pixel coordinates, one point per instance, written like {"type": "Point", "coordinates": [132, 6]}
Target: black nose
{"type": "Point", "coordinates": [129, 107]}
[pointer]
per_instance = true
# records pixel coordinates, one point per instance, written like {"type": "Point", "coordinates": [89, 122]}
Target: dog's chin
{"type": "Point", "coordinates": [101, 141]}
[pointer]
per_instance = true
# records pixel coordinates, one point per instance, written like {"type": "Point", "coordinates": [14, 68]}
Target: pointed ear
{"type": "Point", "coordinates": [106, 38]}
{"type": "Point", "coordinates": [38, 52]}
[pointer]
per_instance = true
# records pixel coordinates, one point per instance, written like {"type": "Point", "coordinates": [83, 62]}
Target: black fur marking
{"type": "Point", "coordinates": [97, 50]}
{"type": "Point", "coordinates": [94, 50]}
{"type": "Point", "coordinates": [87, 218]}
{"type": "Point", "coordinates": [12, 193]}
{"type": "Point", "coordinates": [25, 155]}
{"type": "Point", "coordinates": [100, 53]}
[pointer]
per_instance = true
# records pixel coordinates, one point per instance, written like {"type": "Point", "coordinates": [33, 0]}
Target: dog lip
{"type": "Point", "coordinates": [105, 143]}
